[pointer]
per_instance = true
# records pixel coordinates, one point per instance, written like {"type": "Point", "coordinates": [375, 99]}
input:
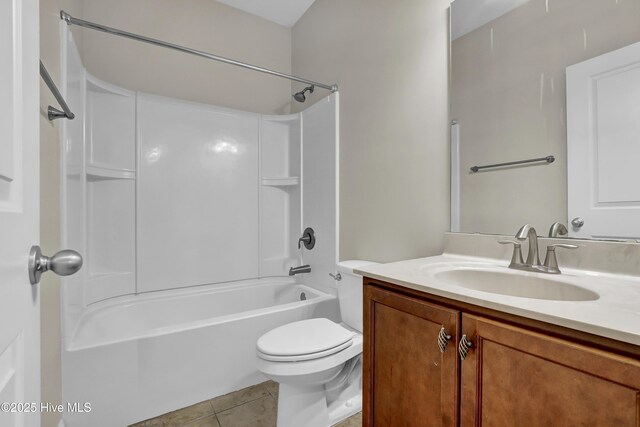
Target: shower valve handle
{"type": "Point", "coordinates": [308, 238]}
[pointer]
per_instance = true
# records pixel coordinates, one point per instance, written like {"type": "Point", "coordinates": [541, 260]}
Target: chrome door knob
{"type": "Point", "coordinates": [577, 222]}
{"type": "Point", "coordinates": [63, 263]}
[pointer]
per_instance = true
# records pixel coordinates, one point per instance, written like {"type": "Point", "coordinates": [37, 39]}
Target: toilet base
{"type": "Point", "coordinates": [344, 393]}
{"type": "Point", "coordinates": [344, 410]}
{"type": "Point", "coordinates": [302, 406]}
{"type": "Point", "coordinates": [307, 407]}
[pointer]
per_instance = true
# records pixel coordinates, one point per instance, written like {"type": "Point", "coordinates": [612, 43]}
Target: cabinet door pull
{"type": "Point", "coordinates": [464, 347]}
{"type": "Point", "coordinates": [443, 340]}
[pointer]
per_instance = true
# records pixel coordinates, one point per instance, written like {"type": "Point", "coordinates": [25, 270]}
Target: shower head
{"type": "Point", "coordinates": [299, 96]}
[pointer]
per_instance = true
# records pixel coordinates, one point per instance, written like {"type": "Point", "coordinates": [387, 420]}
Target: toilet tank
{"type": "Point", "coordinates": [350, 293]}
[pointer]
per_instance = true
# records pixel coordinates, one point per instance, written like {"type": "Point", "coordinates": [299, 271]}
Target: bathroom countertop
{"type": "Point", "coordinates": [615, 314]}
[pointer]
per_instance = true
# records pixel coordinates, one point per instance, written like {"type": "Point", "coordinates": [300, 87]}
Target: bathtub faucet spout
{"type": "Point", "coordinates": [297, 270]}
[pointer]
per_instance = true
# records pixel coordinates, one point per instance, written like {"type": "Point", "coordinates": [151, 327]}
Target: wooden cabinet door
{"type": "Point", "coordinates": [515, 377]}
{"type": "Point", "coordinates": [407, 380]}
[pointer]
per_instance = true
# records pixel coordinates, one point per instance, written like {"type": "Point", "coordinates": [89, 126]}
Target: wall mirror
{"type": "Point", "coordinates": [552, 80]}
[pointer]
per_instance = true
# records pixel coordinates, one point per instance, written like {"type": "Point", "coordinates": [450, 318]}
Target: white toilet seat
{"type": "Point", "coordinates": [288, 371]}
{"type": "Point", "coordinates": [304, 340]}
{"type": "Point", "coordinates": [303, 357]}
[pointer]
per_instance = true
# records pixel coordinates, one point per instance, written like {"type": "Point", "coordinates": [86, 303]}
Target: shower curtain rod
{"type": "Point", "coordinates": [70, 20]}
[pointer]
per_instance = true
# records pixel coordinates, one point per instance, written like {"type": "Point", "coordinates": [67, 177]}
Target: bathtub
{"type": "Point", "coordinates": [136, 357]}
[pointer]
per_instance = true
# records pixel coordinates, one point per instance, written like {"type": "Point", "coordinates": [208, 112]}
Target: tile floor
{"type": "Point", "coordinates": [254, 406]}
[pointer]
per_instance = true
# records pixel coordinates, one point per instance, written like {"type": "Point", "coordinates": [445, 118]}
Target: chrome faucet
{"type": "Point", "coordinates": [297, 270]}
{"type": "Point", "coordinates": [533, 259]}
{"type": "Point", "coordinates": [558, 229]}
{"type": "Point", "coordinates": [527, 231]}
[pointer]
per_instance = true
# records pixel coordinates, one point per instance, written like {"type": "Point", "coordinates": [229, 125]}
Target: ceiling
{"type": "Point", "coordinates": [467, 15]}
{"type": "Point", "coordinates": [283, 12]}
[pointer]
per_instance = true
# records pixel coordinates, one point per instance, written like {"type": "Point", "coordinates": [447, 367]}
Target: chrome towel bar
{"type": "Point", "coordinates": [54, 113]}
{"type": "Point", "coordinates": [548, 159]}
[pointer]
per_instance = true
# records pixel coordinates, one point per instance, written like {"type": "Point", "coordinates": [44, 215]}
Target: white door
{"type": "Point", "coordinates": [19, 213]}
{"type": "Point", "coordinates": [603, 145]}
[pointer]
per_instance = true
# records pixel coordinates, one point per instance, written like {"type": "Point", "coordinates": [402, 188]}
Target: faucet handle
{"type": "Point", "coordinates": [561, 245]}
{"type": "Point", "coordinates": [509, 242]}
{"type": "Point", "coordinates": [516, 257]}
{"type": "Point", "coordinates": [551, 261]}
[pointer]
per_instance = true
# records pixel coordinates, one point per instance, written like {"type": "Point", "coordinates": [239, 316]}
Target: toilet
{"type": "Point", "coordinates": [318, 362]}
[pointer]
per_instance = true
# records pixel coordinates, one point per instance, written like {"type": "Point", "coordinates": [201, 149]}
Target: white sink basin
{"type": "Point", "coordinates": [595, 302]}
{"type": "Point", "coordinates": [524, 285]}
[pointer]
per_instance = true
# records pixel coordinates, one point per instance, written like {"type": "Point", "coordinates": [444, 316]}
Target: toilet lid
{"type": "Point", "coordinates": [304, 340]}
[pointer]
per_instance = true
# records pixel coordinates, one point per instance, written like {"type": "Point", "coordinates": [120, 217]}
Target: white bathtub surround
{"type": "Point", "coordinates": [317, 362]}
{"type": "Point", "coordinates": [188, 216]}
{"type": "Point", "coordinates": [607, 272]}
{"type": "Point", "coordinates": [320, 186]}
{"type": "Point", "coordinates": [162, 193]}
{"type": "Point", "coordinates": [198, 194]}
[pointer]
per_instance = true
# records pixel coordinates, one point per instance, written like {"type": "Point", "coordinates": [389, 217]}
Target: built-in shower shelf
{"type": "Point", "coordinates": [74, 172]}
{"type": "Point", "coordinates": [95, 173]}
{"type": "Point", "coordinates": [109, 274]}
{"type": "Point", "coordinates": [285, 181]}
{"type": "Point", "coordinates": [103, 285]}
{"type": "Point", "coordinates": [282, 117]}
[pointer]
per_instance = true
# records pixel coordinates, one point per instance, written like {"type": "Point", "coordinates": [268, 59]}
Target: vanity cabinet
{"type": "Point", "coordinates": [516, 377]}
{"type": "Point", "coordinates": [515, 374]}
{"type": "Point", "coordinates": [408, 380]}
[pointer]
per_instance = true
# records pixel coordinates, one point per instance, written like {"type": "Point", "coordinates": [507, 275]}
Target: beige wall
{"type": "Point", "coordinates": [200, 24]}
{"type": "Point", "coordinates": [390, 62]}
{"type": "Point", "coordinates": [509, 98]}
{"type": "Point", "coordinates": [50, 338]}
